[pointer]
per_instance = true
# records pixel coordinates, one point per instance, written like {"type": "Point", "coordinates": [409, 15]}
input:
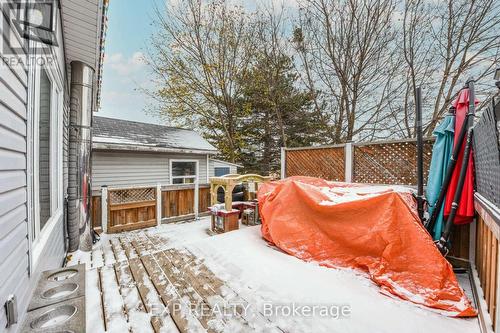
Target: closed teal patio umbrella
{"type": "Point", "coordinates": [441, 155]}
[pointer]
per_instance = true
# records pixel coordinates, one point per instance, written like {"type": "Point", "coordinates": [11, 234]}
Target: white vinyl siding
{"type": "Point", "coordinates": [13, 181]}
{"type": "Point", "coordinates": [220, 164]}
{"type": "Point", "coordinates": [123, 169]}
{"type": "Point", "coordinates": [15, 147]}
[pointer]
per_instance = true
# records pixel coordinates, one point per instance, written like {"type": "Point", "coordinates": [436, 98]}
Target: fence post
{"type": "Point", "coordinates": [158, 204]}
{"type": "Point", "coordinates": [283, 163]}
{"type": "Point", "coordinates": [196, 192]}
{"type": "Point", "coordinates": [349, 158]}
{"type": "Point", "coordinates": [497, 296]}
{"type": "Point", "coordinates": [104, 208]}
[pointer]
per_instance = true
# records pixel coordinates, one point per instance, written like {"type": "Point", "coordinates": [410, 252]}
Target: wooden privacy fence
{"type": "Point", "coordinates": [134, 208]}
{"type": "Point", "coordinates": [383, 162]}
{"type": "Point", "coordinates": [178, 201]}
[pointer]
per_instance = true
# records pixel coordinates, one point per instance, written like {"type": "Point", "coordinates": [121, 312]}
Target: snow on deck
{"type": "Point", "coordinates": [234, 282]}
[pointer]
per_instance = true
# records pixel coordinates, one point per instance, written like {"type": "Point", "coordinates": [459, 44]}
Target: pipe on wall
{"type": "Point", "coordinates": [80, 145]}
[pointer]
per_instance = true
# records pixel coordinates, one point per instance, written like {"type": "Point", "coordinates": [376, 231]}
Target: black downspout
{"type": "Point", "coordinates": [420, 155]}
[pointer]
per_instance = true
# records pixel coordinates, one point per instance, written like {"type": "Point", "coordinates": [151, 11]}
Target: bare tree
{"type": "Point", "coordinates": [348, 59]}
{"type": "Point", "coordinates": [198, 55]}
{"type": "Point", "coordinates": [444, 44]}
{"type": "Point", "coordinates": [466, 33]}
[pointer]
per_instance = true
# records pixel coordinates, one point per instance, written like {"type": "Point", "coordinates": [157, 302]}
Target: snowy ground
{"type": "Point", "coordinates": [275, 283]}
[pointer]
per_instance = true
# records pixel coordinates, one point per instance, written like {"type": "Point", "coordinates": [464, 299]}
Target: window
{"type": "Point", "coordinates": [44, 150]}
{"type": "Point", "coordinates": [221, 171]}
{"type": "Point", "coordinates": [183, 172]}
{"type": "Point", "coordinates": [46, 156]}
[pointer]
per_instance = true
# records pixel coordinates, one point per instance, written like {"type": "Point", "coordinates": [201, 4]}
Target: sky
{"type": "Point", "coordinates": [124, 72]}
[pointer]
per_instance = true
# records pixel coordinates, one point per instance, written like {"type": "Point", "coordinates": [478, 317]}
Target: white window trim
{"type": "Point", "coordinates": [197, 170]}
{"type": "Point", "coordinates": [38, 238]}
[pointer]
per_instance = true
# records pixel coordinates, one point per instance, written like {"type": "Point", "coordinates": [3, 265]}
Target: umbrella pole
{"type": "Point", "coordinates": [442, 243]}
{"type": "Point", "coordinates": [420, 156]}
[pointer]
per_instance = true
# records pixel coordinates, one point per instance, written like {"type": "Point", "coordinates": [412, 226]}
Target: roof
{"type": "Point", "coordinates": [118, 134]}
{"type": "Point", "coordinates": [226, 162]}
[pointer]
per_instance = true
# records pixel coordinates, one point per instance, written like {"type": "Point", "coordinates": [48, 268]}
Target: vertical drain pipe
{"type": "Point", "coordinates": [80, 145]}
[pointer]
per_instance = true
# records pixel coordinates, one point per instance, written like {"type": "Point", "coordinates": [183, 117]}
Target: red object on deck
{"type": "Point", "coordinates": [372, 229]}
{"type": "Point", "coordinates": [465, 212]}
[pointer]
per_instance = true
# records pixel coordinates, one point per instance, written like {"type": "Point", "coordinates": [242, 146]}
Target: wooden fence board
{"type": "Point", "coordinates": [460, 242]}
{"type": "Point", "coordinates": [181, 202]}
{"type": "Point", "coordinates": [96, 212]}
{"type": "Point", "coordinates": [130, 209]}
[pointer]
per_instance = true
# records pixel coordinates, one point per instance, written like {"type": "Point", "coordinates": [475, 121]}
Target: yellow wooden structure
{"type": "Point", "coordinates": [228, 182]}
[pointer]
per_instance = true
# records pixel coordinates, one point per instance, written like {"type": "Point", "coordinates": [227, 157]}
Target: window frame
{"type": "Point", "coordinates": [222, 167]}
{"type": "Point", "coordinates": [39, 237]}
{"type": "Point", "coordinates": [197, 171]}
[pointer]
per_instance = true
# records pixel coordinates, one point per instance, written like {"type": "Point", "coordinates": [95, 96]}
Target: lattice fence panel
{"type": "Point", "coordinates": [127, 196]}
{"type": "Point", "coordinates": [390, 162]}
{"type": "Point", "coordinates": [487, 157]}
{"type": "Point", "coordinates": [327, 163]}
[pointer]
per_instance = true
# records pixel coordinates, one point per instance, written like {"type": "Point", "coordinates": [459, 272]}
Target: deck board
{"type": "Point", "coordinates": [138, 318]}
{"type": "Point", "coordinates": [119, 252]}
{"type": "Point", "coordinates": [97, 258]}
{"type": "Point", "coordinates": [116, 317]}
{"type": "Point", "coordinates": [146, 285]}
{"type": "Point", "coordinates": [108, 254]}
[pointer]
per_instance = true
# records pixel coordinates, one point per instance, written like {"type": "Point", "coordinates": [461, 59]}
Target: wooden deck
{"type": "Point", "coordinates": [178, 278]}
{"type": "Point", "coordinates": [133, 277]}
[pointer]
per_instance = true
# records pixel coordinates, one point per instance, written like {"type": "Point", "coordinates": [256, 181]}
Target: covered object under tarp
{"type": "Point", "coordinates": [372, 229]}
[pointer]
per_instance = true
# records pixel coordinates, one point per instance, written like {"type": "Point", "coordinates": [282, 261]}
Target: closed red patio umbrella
{"type": "Point", "coordinates": [465, 212]}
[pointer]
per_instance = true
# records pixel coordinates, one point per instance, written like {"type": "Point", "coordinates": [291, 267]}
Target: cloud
{"type": "Point", "coordinates": [125, 65]}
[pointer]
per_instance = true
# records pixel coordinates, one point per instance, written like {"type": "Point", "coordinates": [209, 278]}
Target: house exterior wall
{"type": "Point", "coordinates": [124, 169]}
{"type": "Point", "coordinates": [213, 164]}
{"type": "Point", "coordinates": [19, 269]}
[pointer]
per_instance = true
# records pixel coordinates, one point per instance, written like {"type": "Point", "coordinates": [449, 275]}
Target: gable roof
{"type": "Point", "coordinates": [226, 163]}
{"type": "Point", "coordinates": [119, 134]}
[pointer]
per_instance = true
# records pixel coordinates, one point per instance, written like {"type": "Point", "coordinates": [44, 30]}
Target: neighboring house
{"type": "Point", "coordinates": [128, 154]}
{"type": "Point", "coordinates": [220, 168]}
{"type": "Point", "coordinates": [35, 135]}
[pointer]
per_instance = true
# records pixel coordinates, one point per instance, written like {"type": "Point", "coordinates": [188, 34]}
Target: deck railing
{"type": "Point", "coordinates": [485, 258]}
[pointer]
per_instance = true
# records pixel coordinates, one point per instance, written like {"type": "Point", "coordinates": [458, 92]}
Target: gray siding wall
{"type": "Point", "coordinates": [122, 169]}
{"type": "Point", "coordinates": [232, 168]}
{"type": "Point", "coordinates": [15, 277]}
{"type": "Point", "coordinates": [13, 192]}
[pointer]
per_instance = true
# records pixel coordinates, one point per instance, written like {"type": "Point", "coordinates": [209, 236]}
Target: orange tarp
{"type": "Point", "coordinates": [372, 229]}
